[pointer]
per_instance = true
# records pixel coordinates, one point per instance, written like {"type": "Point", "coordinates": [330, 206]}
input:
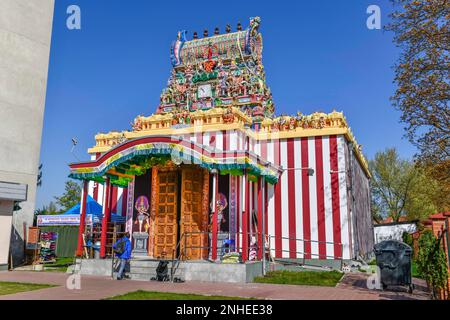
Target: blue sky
{"type": "Point", "coordinates": [318, 55]}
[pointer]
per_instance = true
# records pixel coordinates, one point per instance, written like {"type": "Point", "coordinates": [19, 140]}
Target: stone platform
{"type": "Point", "coordinates": [144, 269]}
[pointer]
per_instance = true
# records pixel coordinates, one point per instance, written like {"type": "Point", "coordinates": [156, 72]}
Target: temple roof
{"type": "Point", "coordinates": [218, 71]}
{"type": "Point", "coordinates": [224, 46]}
{"type": "Point", "coordinates": [218, 83]}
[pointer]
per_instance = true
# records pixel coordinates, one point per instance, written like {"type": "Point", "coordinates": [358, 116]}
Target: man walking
{"type": "Point", "coordinates": [122, 249]}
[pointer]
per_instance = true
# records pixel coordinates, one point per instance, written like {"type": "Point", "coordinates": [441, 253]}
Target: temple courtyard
{"type": "Point", "coordinates": [351, 287]}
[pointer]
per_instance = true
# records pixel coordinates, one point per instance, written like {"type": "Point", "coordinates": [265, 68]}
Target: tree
{"type": "Point", "coordinates": [400, 188]}
{"type": "Point", "coordinates": [70, 197]}
{"type": "Point", "coordinates": [51, 208]}
{"type": "Point", "coordinates": [421, 29]}
{"type": "Point", "coordinates": [437, 172]}
{"type": "Point", "coordinates": [432, 262]}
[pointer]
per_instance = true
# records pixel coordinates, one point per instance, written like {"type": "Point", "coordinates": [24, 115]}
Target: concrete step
{"type": "Point", "coordinates": [147, 263]}
{"type": "Point", "coordinates": [153, 265]}
{"type": "Point", "coordinates": [152, 270]}
{"type": "Point", "coordinates": [146, 270]}
{"type": "Point", "coordinates": [147, 276]}
{"type": "Point", "coordinates": [140, 276]}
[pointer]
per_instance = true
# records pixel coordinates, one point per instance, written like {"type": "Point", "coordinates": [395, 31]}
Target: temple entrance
{"type": "Point", "coordinates": [194, 218]}
{"type": "Point", "coordinates": [181, 206]}
{"type": "Point", "coordinates": [166, 227]}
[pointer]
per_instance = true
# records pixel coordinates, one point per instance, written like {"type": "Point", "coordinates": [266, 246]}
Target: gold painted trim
{"type": "Point", "coordinates": [214, 119]}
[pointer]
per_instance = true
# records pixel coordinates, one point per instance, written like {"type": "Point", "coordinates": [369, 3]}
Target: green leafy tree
{"type": "Point", "coordinates": [422, 31]}
{"type": "Point", "coordinates": [432, 262]}
{"type": "Point", "coordinates": [70, 197]}
{"type": "Point", "coordinates": [400, 188]}
{"type": "Point", "coordinates": [408, 239]}
{"type": "Point", "coordinates": [51, 208]}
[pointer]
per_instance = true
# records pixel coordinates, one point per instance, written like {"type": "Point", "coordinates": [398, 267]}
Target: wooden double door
{"type": "Point", "coordinates": [181, 213]}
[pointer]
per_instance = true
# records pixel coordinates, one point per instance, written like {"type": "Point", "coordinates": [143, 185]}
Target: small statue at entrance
{"type": "Point", "coordinates": [222, 204]}
{"type": "Point", "coordinates": [142, 206]}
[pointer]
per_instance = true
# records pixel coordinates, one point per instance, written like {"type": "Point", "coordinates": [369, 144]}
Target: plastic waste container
{"type": "Point", "coordinates": [394, 260]}
{"type": "Point", "coordinates": [96, 248]}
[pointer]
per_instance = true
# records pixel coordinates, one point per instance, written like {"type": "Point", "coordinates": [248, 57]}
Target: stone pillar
{"type": "Point", "coordinates": [106, 216]}
{"type": "Point", "coordinates": [215, 214]}
{"type": "Point", "coordinates": [205, 215]}
{"type": "Point", "coordinates": [245, 219]}
{"type": "Point", "coordinates": [153, 210]}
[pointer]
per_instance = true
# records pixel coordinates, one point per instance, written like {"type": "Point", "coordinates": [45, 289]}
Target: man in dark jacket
{"type": "Point", "coordinates": [122, 249]}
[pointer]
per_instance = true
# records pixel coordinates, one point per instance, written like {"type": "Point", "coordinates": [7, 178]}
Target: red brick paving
{"type": "Point", "coordinates": [94, 288]}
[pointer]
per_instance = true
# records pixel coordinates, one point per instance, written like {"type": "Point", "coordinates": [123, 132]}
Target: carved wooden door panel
{"type": "Point", "coordinates": [166, 215]}
{"type": "Point", "coordinates": [193, 218]}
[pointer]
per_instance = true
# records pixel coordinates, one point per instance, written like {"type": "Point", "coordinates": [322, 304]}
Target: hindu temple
{"type": "Point", "coordinates": [214, 170]}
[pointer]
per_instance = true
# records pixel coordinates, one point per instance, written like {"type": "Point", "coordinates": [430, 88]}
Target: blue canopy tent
{"type": "Point", "coordinates": [95, 209]}
{"type": "Point", "coordinates": [92, 208]}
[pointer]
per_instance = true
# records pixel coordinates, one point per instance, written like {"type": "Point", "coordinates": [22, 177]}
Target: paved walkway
{"type": "Point", "coordinates": [93, 288]}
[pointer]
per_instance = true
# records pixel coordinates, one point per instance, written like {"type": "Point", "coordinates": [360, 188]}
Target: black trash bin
{"type": "Point", "coordinates": [394, 260]}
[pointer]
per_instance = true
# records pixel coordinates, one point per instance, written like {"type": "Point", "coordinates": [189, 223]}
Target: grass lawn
{"type": "Point", "coordinates": [153, 295]}
{"type": "Point", "coordinates": [60, 265]}
{"type": "Point", "coordinates": [310, 278]}
{"type": "Point", "coordinates": [15, 287]}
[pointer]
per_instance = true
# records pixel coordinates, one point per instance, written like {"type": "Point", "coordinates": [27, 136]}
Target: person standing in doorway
{"type": "Point", "coordinates": [122, 249]}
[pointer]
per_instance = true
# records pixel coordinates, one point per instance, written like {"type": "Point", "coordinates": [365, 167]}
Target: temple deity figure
{"type": "Point", "coordinates": [321, 123]}
{"type": "Point", "coordinates": [221, 205]}
{"type": "Point", "coordinates": [292, 123]}
{"type": "Point", "coordinates": [223, 83]}
{"type": "Point", "coordinates": [142, 206]}
{"type": "Point", "coordinates": [228, 116]}
{"type": "Point", "coordinates": [299, 118]}
{"type": "Point", "coordinates": [243, 85]}
{"type": "Point", "coordinates": [137, 124]}
{"type": "Point", "coordinates": [189, 73]}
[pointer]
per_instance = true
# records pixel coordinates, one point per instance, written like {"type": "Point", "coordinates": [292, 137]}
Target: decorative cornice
{"type": "Point", "coordinates": [232, 118]}
{"type": "Point", "coordinates": [175, 147]}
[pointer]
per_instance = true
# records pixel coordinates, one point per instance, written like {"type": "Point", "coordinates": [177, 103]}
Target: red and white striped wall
{"type": "Point", "coordinates": [307, 216]}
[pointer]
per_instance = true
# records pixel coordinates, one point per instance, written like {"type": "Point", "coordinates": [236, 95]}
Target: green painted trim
{"type": "Point", "coordinates": [139, 152]}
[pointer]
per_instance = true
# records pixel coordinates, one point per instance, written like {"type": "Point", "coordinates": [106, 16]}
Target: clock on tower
{"type": "Point", "coordinates": [204, 91]}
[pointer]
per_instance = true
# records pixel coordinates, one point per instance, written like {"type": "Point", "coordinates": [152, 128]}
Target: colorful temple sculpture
{"type": "Point", "coordinates": [213, 170]}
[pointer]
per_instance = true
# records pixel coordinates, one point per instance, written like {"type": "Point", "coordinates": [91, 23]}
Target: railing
{"type": "Point", "coordinates": [219, 248]}
{"type": "Point", "coordinates": [176, 262]}
{"type": "Point", "coordinates": [304, 253]}
{"type": "Point", "coordinates": [238, 237]}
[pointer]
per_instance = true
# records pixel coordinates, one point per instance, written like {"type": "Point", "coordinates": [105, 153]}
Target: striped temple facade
{"type": "Point", "coordinates": [300, 206]}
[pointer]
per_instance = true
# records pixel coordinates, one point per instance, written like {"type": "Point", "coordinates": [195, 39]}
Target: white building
{"type": "Point", "coordinates": [393, 230]}
{"type": "Point", "coordinates": [25, 35]}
